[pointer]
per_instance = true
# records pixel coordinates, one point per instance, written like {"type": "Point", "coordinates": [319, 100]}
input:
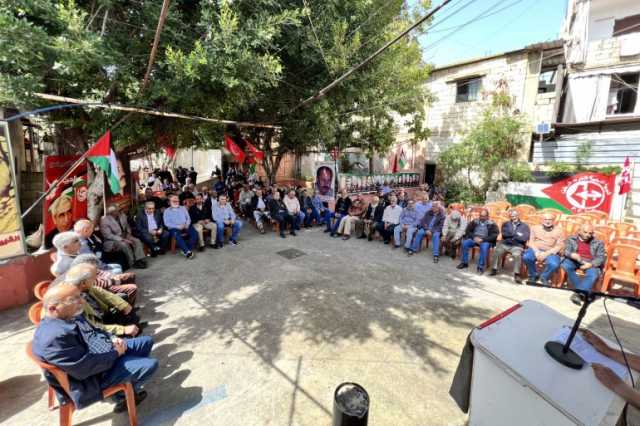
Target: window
{"type": "Point", "coordinates": [623, 94]}
{"type": "Point", "coordinates": [547, 80]}
{"type": "Point", "coordinates": [628, 25]}
{"type": "Point", "coordinates": [468, 90]}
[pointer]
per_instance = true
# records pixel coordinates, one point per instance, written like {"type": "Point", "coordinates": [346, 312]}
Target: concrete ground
{"type": "Point", "coordinates": [247, 337]}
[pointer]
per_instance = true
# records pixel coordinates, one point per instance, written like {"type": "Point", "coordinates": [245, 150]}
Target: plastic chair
{"type": "Point", "coordinates": [525, 210]}
{"type": "Point", "coordinates": [67, 409]}
{"type": "Point", "coordinates": [608, 231]}
{"type": "Point", "coordinates": [35, 313]}
{"type": "Point", "coordinates": [625, 270]}
{"type": "Point", "coordinates": [41, 288]}
{"type": "Point", "coordinates": [556, 212]}
{"type": "Point", "coordinates": [569, 228]}
{"type": "Point", "coordinates": [456, 206]}
{"type": "Point", "coordinates": [622, 229]}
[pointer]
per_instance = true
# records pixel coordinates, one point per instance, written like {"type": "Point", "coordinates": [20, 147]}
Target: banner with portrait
{"type": "Point", "coordinates": [68, 202]}
{"type": "Point", "coordinates": [11, 232]}
{"type": "Point", "coordinates": [325, 180]}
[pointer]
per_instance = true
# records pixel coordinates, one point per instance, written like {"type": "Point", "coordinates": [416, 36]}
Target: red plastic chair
{"type": "Point", "coordinates": [41, 288]}
{"type": "Point", "coordinates": [67, 409]}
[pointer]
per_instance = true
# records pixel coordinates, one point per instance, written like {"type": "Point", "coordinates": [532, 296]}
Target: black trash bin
{"type": "Point", "coordinates": [350, 405]}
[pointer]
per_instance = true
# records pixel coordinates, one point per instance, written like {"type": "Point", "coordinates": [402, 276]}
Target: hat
{"type": "Point", "coordinates": [455, 215]}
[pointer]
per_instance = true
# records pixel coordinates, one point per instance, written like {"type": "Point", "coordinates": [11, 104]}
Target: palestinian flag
{"type": "Point", "coordinates": [403, 159]}
{"type": "Point", "coordinates": [102, 156]}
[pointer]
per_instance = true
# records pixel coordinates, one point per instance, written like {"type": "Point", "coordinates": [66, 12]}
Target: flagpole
{"type": "Point", "coordinates": [104, 192]}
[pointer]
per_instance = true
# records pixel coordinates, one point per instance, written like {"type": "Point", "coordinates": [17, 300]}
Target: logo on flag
{"type": "Point", "coordinates": [584, 192]}
{"type": "Point", "coordinates": [625, 177]}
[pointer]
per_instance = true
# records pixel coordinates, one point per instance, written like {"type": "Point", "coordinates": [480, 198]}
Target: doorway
{"type": "Point", "coordinates": [429, 173]}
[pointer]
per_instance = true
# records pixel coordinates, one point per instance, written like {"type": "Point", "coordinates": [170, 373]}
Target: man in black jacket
{"type": "Point", "coordinates": [372, 217]}
{"type": "Point", "coordinates": [201, 219]}
{"type": "Point", "coordinates": [342, 210]}
{"type": "Point", "coordinates": [150, 229]}
{"type": "Point", "coordinates": [260, 209]}
{"type": "Point", "coordinates": [515, 235]}
{"type": "Point", "coordinates": [278, 212]}
{"type": "Point", "coordinates": [481, 233]}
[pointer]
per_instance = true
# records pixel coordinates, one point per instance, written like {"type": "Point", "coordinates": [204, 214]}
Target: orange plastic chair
{"type": "Point", "coordinates": [556, 212]}
{"type": "Point", "coordinates": [608, 231]}
{"type": "Point", "coordinates": [67, 409]}
{"type": "Point", "coordinates": [623, 229]}
{"type": "Point", "coordinates": [625, 268]}
{"type": "Point", "coordinates": [456, 206]}
{"type": "Point", "coordinates": [525, 210]}
{"type": "Point", "coordinates": [41, 288]}
{"type": "Point", "coordinates": [35, 313]}
{"type": "Point", "coordinates": [634, 234]}
{"type": "Point", "coordinates": [502, 205]}
{"type": "Point", "coordinates": [569, 228]}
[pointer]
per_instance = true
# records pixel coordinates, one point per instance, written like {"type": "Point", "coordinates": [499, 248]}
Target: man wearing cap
{"type": "Point", "coordinates": [62, 216]}
{"type": "Point", "coordinates": [118, 236]}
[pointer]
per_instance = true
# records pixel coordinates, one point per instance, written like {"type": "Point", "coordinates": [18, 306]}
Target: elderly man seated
{"type": "Point", "coordinates": [341, 210]}
{"type": "Point", "coordinates": [118, 236]}
{"type": "Point", "coordinates": [353, 218]}
{"type": "Point", "coordinates": [515, 235]}
{"type": "Point", "coordinates": [585, 253]}
{"type": "Point", "coordinates": [260, 209]}
{"type": "Point", "coordinates": [176, 219]}
{"type": "Point", "coordinates": [293, 207]}
{"type": "Point", "coordinates": [372, 217]}
{"type": "Point", "coordinates": [90, 244]}
{"type": "Point", "coordinates": [452, 232]}
{"type": "Point", "coordinates": [408, 222]}
{"type": "Point", "coordinates": [278, 212]}
{"type": "Point", "coordinates": [430, 224]}
{"type": "Point", "coordinates": [390, 219]}
{"type": "Point", "coordinates": [201, 219]}
{"type": "Point", "coordinates": [483, 233]}
{"type": "Point", "coordinates": [224, 216]}
{"type": "Point", "coordinates": [150, 229]}
{"type": "Point", "coordinates": [92, 358]}
{"type": "Point", "coordinates": [122, 285]}
{"type": "Point", "coordinates": [545, 243]}
{"type": "Point", "coordinates": [67, 246]}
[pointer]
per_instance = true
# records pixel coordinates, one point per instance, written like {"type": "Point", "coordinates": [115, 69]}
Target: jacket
{"type": "Point", "coordinates": [409, 217]}
{"type": "Point", "coordinates": [596, 247]}
{"type": "Point", "coordinates": [142, 223]}
{"type": "Point", "coordinates": [357, 210]}
{"type": "Point", "coordinates": [114, 230]}
{"type": "Point", "coordinates": [277, 208]}
{"type": "Point", "coordinates": [428, 217]}
{"type": "Point", "coordinates": [197, 214]}
{"type": "Point", "coordinates": [492, 228]}
{"type": "Point", "coordinates": [78, 349]}
{"type": "Point", "coordinates": [375, 213]}
{"type": "Point", "coordinates": [342, 205]}
{"type": "Point", "coordinates": [458, 228]}
{"type": "Point", "coordinates": [254, 202]}
{"type": "Point", "coordinates": [517, 235]}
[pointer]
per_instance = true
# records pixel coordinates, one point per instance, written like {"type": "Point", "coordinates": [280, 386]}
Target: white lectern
{"type": "Point", "coordinates": [515, 381]}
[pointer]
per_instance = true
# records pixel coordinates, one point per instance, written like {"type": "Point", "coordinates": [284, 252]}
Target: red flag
{"type": "Point", "coordinates": [584, 192]}
{"type": "Point", "coordinates": [259, 155]}
{"type": "Point", "coordinates": [234, 149]}
{"type": "Point", "coordinates": [625, 177]}
{"type": "Point", "coordinates": [394, 169]}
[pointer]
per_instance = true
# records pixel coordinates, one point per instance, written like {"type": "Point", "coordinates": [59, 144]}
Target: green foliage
{"type": "Point", "coordinates": [583, 153]}
{"type": "Point", "coordinates": [518, 171]}
{"type": "Point", "coordinates": [558, 170]}
{"type": "Point", "coordinates": [489, 151]}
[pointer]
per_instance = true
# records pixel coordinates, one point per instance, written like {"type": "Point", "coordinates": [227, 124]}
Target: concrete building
{"type": "Point", "coordinates": [461, 92]}
{"type": "Point", "coordinates": [600, 108]}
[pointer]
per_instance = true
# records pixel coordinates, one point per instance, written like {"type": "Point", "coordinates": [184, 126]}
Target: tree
{"type": "Point", "coordinates": [489, 151]}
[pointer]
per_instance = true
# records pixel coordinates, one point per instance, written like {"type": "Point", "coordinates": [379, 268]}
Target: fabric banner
{"type": "Point", "coordinates": [325, 181]}
{"type": "Point", "coordinates": [68, 202]}
{"type": "Point", "coordinates": [234, 149]}
{"type": "Point", "coordinates": [584, 192]}
{"type": "Point", "coordinates": [11, 233]}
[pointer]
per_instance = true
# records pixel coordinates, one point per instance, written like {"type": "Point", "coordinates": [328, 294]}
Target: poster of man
{"type": "Point", "coordinates": [325, 181]}
{"type": "Point", "coordinates": [11, 235]}
{"type": "Point", "coordinates": [68, 202]}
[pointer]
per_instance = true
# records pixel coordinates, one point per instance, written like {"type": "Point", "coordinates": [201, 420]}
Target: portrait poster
{"type": "Point", "coordinates": [11, 232]}
{"type": "Point", "coordinates": [68, 202]}
{"type": "Point", "coordinates": [325, 178]}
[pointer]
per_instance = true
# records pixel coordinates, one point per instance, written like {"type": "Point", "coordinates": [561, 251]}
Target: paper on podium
{"type": "Point", "coordinates": [588, 353]}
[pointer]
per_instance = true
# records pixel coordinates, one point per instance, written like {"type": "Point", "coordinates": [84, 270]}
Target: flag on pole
{"type": "Point", "coordinates": [259, 155]}
{"type": "Point", "coordinates": [625, 177]}
{"type": "Point", "coordinates": [103, 157]}
{"type": "Point", "coordinates": [234, 149]}
{"type": "Point", "coordinates": [394, 167]}
{"type": "Point", "coordinates": [403, 159]}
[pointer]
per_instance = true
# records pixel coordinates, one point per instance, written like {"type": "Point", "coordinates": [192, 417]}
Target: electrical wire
{"type": "Point", "coordinates": [624, 355]}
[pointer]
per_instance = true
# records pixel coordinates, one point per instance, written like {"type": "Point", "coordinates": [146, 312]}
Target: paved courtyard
{"type": "Point", "coordinates": [246, 336]}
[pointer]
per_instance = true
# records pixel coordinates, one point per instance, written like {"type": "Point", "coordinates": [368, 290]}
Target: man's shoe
{"type": "Point", "coordinates": [493, 272]}
{"type": "Point", "coordinates": [333, 234]}
{"type": "Point", "coordinates": [162, 252]}
{"type": "Point", "coordinates": [361, 237]}
{"type": "Point", "coordinates": [410, 253]}
{"type": "Point", "coordinates": [293, 233]}
{"type": "Point", "coordinates": [327, 230]}
{"type": "Point", "coordinates": [395, 246]}
{"type": "Point", "coordinates": [282, 235]}
{"type": "Point", "coordinates": [480, 271]}
{"type": "Point", "coordinates": [217, 246]}
{"type": "Point", "coordinates": [346, 237]}
{"type": "Point", "coordinates": [154, 252]}
{"type": "Point", "coordinates": [517, 279]}
{"type": "Point", "coordinates": [190, 255]}
{"type": "Point", "coordinates": [234, 242]}
{"type": "Point", "coordinates": [436, 259]}
{"type": "Point", "coordinates": [369, 238]}
{"type": "Point", "coordinates": [121, 406]}
{"type": "Point", "coordinates": [545, 282]}
{"type": "Point", "coordinates": [531, 281]}
{"type": "Point", "coordinates": [462, 265]}
{"type": "Point", "coordinates": [386, 242]}
{"type": "Point", "coordinates": [201, 248]}
{"type": "Point", "coordinates": [140, 264]}
{"type": "Point", "coordinates": [577, 298]}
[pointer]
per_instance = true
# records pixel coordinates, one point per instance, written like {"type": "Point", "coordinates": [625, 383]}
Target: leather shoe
{"type": "Point", "coordinates": [121, 406]}
{"type": "Point", "coordinates": [493, 273]}
{"type": "Point", "coordinates": [462, 266]}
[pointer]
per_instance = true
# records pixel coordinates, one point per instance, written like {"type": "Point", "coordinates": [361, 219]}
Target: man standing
{"type": "Point", "coordinates": [201, 220]}
{"type": "Point", "coordinates": [515, 235]}
{"type": "Point", "coordinates": [430, 225]}
{"type": "Point", "coordinates": [390, 219]}
{"type": "Point", "coordinates": [587, 254]}
{"type": "Point", "coordinates": [93, 359]}
{"type": "Point", "coordinates": [353, 218]}
{"type": "Point", "coordinates": [481, 233]}
{"type": "Point", "coordinates": [150, 229]}
{"type": "Point", "coordinates": [176, 219]}
{"type": "Point", "coordinates": [452, 232]}
{"type": "Point", "coordinates": [224, 216]}
{"type": "Point", "coordinates": [408, 223]}
{"type": "Point", "coordinates": [544, 245]}
{"type": "Point", "coordinates": [293, 207]}
{"type": "Point", "coordinates": [260, 210]}
{"type": "Point", "coordinates": [118, 236]}
{"type": "Point", "coordinates": [373, 217]}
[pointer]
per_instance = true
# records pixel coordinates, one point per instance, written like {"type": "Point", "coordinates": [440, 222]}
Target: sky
{"type": "Point", "coordinates": [522, 22]}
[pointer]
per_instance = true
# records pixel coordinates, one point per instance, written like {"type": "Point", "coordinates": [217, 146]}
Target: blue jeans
{"type": "Point", "coordinates": [408, 238]}
{"type": "Point", "coordinates": [235, 230]}
{"type": "Point", "coordinates": [135, 366]}
{"type": "Point", "coordinates": [484, 252]}
{"type": "Point", "coordinates": [435, 241]}
{"type": "Point", "coordinates": [147, 240]}
{"type": "Point", "coordinates": [311, 216]}
{"type": "Point", "coordinates": [551, 264]}
{"type": "Point", "coordinates": [327, 216]}
{"type": "Point", "coordinates": [586, 283]}
{"type": "Point", "coordinates": [180, 242]}
{"type": "Point", "coordinates": [297, 220]}
{"type": "Point", "coordinates": [334, 227]}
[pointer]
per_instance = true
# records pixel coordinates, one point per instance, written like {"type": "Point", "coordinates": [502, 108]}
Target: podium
{"type": "Point", "coordinates": [515, 382]}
